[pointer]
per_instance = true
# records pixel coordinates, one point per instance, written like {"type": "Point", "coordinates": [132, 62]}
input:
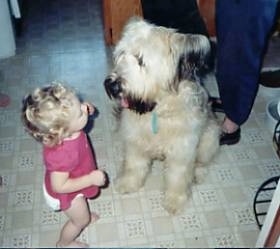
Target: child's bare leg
{"type": "Point", "coordinates": [79, 217]}
{"type": "Point", "coordinates": [94, 217]}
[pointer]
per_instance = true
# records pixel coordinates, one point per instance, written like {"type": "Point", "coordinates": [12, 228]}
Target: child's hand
{"type": "Point", "coordinates": [90, 108]}
{"type": "Point", "coordinates": [98, 177]}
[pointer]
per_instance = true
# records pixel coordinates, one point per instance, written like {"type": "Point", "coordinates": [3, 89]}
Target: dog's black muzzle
{"type": "Point", "coordinates": [113, 87]}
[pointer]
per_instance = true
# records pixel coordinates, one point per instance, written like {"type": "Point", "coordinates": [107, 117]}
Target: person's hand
{"type": "Point", "coordinates": [98, 177]}
{"type": "Point", "coordinates": [90, 108]}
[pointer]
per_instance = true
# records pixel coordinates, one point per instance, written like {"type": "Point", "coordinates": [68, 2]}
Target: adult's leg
{"type": "Point", "coordinates": [242, 30]}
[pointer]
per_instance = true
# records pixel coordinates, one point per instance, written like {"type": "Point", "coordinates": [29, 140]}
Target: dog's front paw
{"type": "Point", "coordinates": [126, 184]}
{"type": "Point", "coordinates": [174, 203]}
{"type": "Point", "coordinates": [200, 174]}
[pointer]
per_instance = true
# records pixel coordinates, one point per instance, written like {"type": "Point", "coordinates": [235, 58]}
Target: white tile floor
{"type": "Point", "coordinates": [63, 40]}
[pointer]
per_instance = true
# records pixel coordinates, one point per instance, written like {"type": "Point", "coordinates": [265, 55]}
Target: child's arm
{"type": "Point", "coordinates": [61, 183]}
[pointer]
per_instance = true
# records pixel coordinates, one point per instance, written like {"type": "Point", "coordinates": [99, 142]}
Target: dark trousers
{"type": "Point", "coordinates": [242, 27]}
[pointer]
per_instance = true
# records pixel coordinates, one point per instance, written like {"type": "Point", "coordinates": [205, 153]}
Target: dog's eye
{"type": "Point", "coordinates": [140, 60]}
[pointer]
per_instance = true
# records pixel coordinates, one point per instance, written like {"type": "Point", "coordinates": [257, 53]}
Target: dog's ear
{"type": "Point", "coordinates": [193, 61]}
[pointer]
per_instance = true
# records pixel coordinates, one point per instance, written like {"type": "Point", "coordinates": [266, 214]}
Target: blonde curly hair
{"type": "Point", "coordinates": [46, 113]}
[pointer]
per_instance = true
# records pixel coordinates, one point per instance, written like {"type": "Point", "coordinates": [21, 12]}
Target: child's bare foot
{"type": "Point", "coordinates": [94, 217]}
{"type": "Point", "coordinates": [74, 243]}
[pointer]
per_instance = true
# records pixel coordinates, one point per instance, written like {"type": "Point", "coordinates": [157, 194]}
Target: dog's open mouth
{"type": "Point", "coordinates": [124, 102]}
{"type": "Point", "coordinates": [115, 91]}
{"type": "Point", "coordinates": [138, 105]}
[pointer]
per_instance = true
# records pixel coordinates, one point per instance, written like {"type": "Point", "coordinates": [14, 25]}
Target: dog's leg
{"type": "Point", "coordinates": [209, 143]}
{"type": "Point", "coordinates": [179, 176]}
{"type": "Point", "coordinates": [134, 172]}
{"type": "Point", "coordinates": [207, 148]}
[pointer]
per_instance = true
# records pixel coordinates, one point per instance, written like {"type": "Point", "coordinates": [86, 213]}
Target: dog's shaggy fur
{"type": "Point", "coordinates": [164, 114]}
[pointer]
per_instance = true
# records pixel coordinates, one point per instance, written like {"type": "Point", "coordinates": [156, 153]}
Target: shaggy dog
{"type": "Point", "coordinates": [164, 111]}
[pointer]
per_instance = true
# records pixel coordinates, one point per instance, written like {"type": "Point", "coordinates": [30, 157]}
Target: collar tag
{"type": "Point", "coordinates": [154, 123]}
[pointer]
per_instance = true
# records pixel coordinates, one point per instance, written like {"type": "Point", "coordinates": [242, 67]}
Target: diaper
{"type": "Point", "coordinates": [51, 202]}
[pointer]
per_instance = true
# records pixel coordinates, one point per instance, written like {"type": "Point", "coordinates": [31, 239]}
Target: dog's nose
{"type": "Point", "coordinates": [112, 87]}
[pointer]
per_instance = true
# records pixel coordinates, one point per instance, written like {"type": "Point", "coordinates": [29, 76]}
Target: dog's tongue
{"type": "Point", "coordinates": [124, 103]}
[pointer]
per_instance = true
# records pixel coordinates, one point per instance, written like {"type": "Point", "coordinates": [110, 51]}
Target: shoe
{"type": "Point", "coordinates": [270, 78]}
{"type": "Point", "coordinates": [230, 138]}
{"type": "Point", "coordinates": [216, 104]}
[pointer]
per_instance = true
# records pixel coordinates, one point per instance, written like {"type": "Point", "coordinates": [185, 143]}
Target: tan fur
{"type": "Point", "coordinates": [187, 133]}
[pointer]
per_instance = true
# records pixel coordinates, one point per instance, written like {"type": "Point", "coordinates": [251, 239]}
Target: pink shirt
{"type": "Point", "coordinates": [73, 156]}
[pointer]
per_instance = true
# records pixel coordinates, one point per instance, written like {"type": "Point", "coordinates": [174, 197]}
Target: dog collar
{"type": "Point", "coordinates": [154, 123]}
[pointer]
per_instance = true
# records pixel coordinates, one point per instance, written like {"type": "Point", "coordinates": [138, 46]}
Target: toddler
{"type": "Point", "coordinates": [54, 116]}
